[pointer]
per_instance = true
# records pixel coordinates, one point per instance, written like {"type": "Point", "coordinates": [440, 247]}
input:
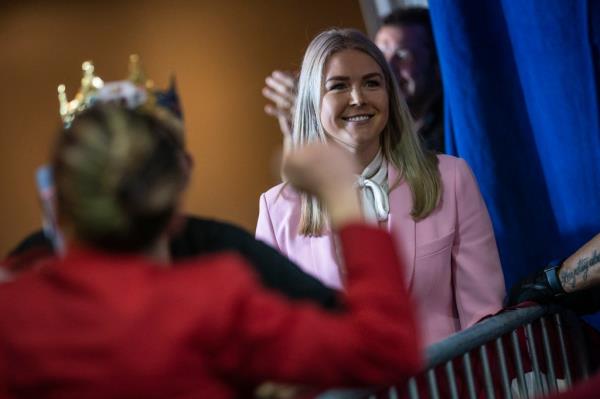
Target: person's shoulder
{"type": "Point", "coordinates": [446, 161]}
{"type": "Point", "coordinates": [204, 264]}
{"type": "Point", "coordinates": [225, 267]}
{"type": "Point", "coordinates": [456, 175]}
{"type": "Point", "coordinates": [197, 223]}
{"type": "Point", "coordinates": [282, 193]}
{"type": "Point", "coordinates": [36, 240]}
{"type": "Point", "coordinates": [220, 233]}
{"type": "Point", "coordinates": [33, 258]}
{"type": "Point", "coordinates": [449, 166]}
{"type": "Point", "coordinates": [24, 287]}
{"type": "Point", "coordinates": [201, 236]}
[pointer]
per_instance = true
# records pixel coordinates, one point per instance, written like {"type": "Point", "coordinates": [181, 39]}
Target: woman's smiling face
{"type": "Point", "coordinates": [354, 105]}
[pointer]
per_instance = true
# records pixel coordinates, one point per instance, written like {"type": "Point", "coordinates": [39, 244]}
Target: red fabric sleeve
{"type": "Point", "coordinates": [374, 342]}
{"type": "Point", "coordinates": [35, 258]}
{"type": "Point", "coordinates": [589, 389]}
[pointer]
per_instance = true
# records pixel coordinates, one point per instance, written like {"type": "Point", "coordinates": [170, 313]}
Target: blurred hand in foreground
{"type": "Point", "coordinates": [328, 172]}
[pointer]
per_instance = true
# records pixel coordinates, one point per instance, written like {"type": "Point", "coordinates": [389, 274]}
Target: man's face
{"type": "Point", "coordinates": [407, 50]}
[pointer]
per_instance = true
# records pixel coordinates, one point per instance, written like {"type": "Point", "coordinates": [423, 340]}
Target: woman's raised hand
{"type": "Point", "coordinates": [280, 88]}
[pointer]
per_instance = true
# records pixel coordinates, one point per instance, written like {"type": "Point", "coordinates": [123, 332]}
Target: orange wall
{"type": "Point", "coordinates": [220, 51]}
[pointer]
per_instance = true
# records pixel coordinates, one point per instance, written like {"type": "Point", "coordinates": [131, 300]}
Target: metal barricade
{"type": "Point", "coordinates": [520, 353]}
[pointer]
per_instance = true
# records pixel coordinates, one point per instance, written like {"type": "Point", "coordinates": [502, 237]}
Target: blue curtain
{"type": "Point", "coordinates": [521, 90]}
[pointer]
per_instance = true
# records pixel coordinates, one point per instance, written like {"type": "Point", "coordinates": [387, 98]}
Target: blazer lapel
{"type": "Point", "coordinates": [400, 223]}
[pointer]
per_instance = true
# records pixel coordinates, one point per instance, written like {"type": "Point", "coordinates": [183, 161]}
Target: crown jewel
{"type": "Point", "coordinates": [135, 91]}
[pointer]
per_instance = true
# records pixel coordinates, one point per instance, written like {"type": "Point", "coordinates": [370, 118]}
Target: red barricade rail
{"type": "Point", "coordinates": [527, 352]}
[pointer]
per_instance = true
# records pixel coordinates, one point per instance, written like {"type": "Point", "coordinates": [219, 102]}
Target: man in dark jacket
{"type": "Point", "coordinates": [200, 236]}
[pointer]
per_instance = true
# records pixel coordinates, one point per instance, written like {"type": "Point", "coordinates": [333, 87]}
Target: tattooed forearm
{"type": "Point", "coordinates": [579, 274]}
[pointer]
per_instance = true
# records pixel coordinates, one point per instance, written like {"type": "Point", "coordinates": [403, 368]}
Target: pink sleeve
{"type": "Point", "coordinates": [264, 225]}
{"type": "Point", "coordinates": [477, 273]}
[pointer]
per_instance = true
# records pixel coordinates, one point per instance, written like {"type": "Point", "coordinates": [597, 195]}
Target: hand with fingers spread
{"type": "Point", "coordinates": [280, 88]}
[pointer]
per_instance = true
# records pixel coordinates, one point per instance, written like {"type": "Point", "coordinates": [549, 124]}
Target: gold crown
{"type": "Point", "coordinates": [93, 87]}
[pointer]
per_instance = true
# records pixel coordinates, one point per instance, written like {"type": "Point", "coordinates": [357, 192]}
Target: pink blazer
{"type": "Point", "coordinates": [450, 258]}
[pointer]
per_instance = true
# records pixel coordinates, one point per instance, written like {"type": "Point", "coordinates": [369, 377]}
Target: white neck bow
{"type": "Point", "coordinates": [373, 188]}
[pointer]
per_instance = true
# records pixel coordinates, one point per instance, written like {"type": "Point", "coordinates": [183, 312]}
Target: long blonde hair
{"type": "Point", "coordinates": [399, 141]}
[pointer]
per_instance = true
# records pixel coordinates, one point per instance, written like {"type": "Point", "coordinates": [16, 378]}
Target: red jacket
{"type": "Point", "coordinates": [102, 326]}
{"type": "Point", "coordinates": [589, 389]}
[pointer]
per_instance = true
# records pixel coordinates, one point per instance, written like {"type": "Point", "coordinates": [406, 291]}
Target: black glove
{"type": "Point", "coordinates": [542, 287]}
{"type": "Point", "coordinates": [582, 302]}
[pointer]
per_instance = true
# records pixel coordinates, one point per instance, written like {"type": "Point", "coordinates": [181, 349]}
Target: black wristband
{"type": "Point", "coordinates": [551, 272]}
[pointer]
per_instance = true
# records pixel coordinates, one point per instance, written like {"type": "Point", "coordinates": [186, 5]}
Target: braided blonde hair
{"type": "Point", "coordinates": [118, 175]}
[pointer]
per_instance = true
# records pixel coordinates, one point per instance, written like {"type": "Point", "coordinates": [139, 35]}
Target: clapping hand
{"type": "Point", "coordinates": [280, 88]}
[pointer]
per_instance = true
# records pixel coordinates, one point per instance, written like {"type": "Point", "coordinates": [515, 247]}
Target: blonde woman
{"type": "Point", "coordinates": [431, 204]}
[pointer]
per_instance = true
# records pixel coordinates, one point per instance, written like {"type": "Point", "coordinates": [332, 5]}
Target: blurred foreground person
{"type": "Point", "coordinates": [588, 389]}
{"type": "Point", "coordinates": [109, 319]}
{"type": "Point", "coordinates": [194, 235]}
